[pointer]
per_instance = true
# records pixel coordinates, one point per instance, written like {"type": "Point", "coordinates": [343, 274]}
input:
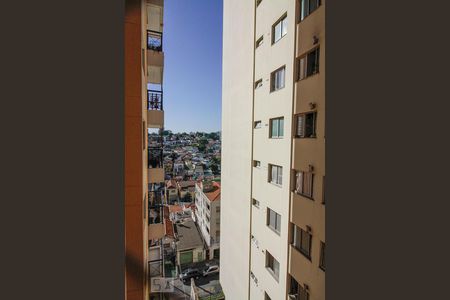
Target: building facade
{"type": "Point", "coordinates": [144, 172]}
{"type": "Point", "coordinates": [273, 106]}
{"type": "Point", "coordinates": [207, 215]}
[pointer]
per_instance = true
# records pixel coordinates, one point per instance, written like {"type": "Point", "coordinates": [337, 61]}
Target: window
{"type": "Point", "coordinates": [257, 164]}
{"type": "Point", "coordinates": [307, 7]}
{"type": "Point", "coordinates": [258, 83]}
{"type": "Point", "coordinates": [259, 41]}
{"type": "Point", "coordinates": [298, 291]}
{"type": "Point", "coordinates": [279, 29]}
{"type": "Point", "coordinates": [275, 174]}
{"type": "Point", "coordinates": [273, 220]}
{"type": "Point", "coordinates": [276, 128]}
{"type": "Point", "coordinates": [272, 265]}
{"type": "Point", "coordinates": [322, 256]}
{"type": "Point", "coordinates": [255, 203]}
{"type": "Point", "coordinates": [277, 79]}
{"type": "Point", "coordinates": [304, 183]}
{"type": "Point", "coordinates": [217, 209]}
{"type": "Point", "coordinates": [308, 64]}
{"type": "Point", "coordinates": [306, 125]}
{"type": "Point", "coordinates": [301, 240]}
{"type": "Point", "coordinates": [257, 124]}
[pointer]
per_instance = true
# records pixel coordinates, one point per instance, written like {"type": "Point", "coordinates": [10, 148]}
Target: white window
{"type": "Point", "coordinates": [273, 220]}
{"type": "Point", "coordinates": [275, 174]}
{"type": "Point", "coordinates": [304, 183]}
{"type": "Point", "coordinates": [276, 128]}
{"type": "Point", "coordinates": [279, 29]}
{"type": "Point", "coordinates": [273, 265]}
{"type": "Point", "coordinates": [277, 79]}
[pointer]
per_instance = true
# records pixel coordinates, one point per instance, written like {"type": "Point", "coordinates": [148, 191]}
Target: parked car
{"type": "Point", "coordinates": [190, 273]}
{"type": "Point", "coordinates": [213, 269]}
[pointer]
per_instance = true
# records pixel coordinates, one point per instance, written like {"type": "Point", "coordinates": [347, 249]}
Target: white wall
{"type": "Point", "coordinates": [237, 91]}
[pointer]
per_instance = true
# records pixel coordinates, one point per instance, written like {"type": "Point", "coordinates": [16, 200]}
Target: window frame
{"type": "Point", "coordinates": [258, 83]}
{"type": "Point", "coordinates": [272, 79]}
{"type": "Point", "coordinates": [301, 6]}
{"type": "Point", "coordinates": [259, 42]}
{"type": "Point", "coordinates": [278, 136]}
{"type": "Point", "coordinates": [305, 58]}
{"type": "Point", "coordinates": [277, 220]}
{"type": "Point", "coordinates": [270, 265]}
{"type": "Point", "coordinates": [280, 21]}
{"type": "Point", "coordinates": [322, 256]}
{"type": "Point", "coordinates": [314, 125]}
{"type": "Point", "coordinates": [303, 181]}
{"type": "Point", "coordinates": [299, 232]}
{"type": "Point", "coordinates": [279, 174]}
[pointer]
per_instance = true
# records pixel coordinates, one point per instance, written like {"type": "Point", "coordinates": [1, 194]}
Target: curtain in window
{"type": "Point", "coordinates": [277, 32]}
{"type": "Point", "coordinates": [299, 183]}
{"type": "Point", "coordinates": [281, 127]}
{"type": "Point", "coordinates": [302, 68]}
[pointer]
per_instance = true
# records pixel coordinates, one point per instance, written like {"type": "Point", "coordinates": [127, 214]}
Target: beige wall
{"type": "Point", "coordinates": [237, 91]}
{"type": "Point", "coordinates": [239, 75]}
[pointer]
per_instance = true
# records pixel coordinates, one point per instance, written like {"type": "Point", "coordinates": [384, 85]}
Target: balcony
{"type": "Point", "coordinates": [155, 163]}
{"type": "Point", "coordinates": [154, 40]}
{"type": "Point", "coordinates": [155, 55]}
{"type": "Point", "coordinates": [155, 113]}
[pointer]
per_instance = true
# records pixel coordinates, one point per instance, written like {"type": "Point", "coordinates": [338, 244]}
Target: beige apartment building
{"type": "Point", "coordinates": [273, 150]}
{"type": "Point", "coordinates": [144, 172]}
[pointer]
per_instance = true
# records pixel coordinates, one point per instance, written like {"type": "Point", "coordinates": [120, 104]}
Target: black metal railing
{"type": "Point", "coordinates": [154, 40]}
{"type": "Point", "coordinates": [154, 100]}
{"type": "Point", "coordinates": [155, 215]}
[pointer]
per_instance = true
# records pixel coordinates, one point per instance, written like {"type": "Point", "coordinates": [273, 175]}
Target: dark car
{"type": "Point", "coordinates": [190, 273]}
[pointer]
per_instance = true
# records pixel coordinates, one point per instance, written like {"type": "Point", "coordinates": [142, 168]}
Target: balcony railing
{"type": "Point", "coordinates": [154, 100]}
{"type": "Point", "coordinates": [154, 40]}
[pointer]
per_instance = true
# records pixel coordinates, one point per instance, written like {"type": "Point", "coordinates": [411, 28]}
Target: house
{"type": "Point", "coordinates": [186, 190]}
{"type": "Point", "coordinates": [207, 215]}
{"type": "Point", "coordinates": [189, 245]}
{"type": "Point", "coordinates": [171, 191]}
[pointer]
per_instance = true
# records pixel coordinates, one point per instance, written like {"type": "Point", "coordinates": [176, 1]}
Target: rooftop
{"type": "Point", "coordinates": [188, 236]}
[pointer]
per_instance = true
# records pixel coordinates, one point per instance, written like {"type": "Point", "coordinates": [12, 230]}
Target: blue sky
{"type": "Point", "coordinates": [193, 65]}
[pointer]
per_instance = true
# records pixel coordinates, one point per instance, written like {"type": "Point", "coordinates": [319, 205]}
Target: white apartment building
{"type": "Point", "coordinates": [273, 150]}
{"type": "Point", "coordinates": [207, 215]}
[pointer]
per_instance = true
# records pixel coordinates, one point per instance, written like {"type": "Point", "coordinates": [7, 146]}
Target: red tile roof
{"type": "Point", "coordinates": [175, 208]}
{"type": "Point", "coordinates": [168, 225]}
{"type": "Point", "coordinates": [215, 193]}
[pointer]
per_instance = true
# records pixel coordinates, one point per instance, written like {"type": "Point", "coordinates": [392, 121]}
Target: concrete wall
{"type": "Point", "coordinates": [237, 71]}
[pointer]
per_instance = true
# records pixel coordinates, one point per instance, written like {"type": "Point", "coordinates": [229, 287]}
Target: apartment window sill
{"type": "Point", "coordinates": [274, 230]}
{"type": "Point", "coordinates": [305, 196]}
{"type": "Point", "coordinates": [273, 91]}
{"type": "Point", "coordinates": [276, 184]}
{"type": "Point", "coordinates": [271, 272]}
{"type": "Point", "coordinates": [274, 42]}
{"type": "Point", "coordinates": [307, 77]}
{"type": "Point", "coordinates": [305, 137]}
{"type": "Point", "coordinates": [276, 137]}
{"type": "Point", "coordinates": [302, 253]}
